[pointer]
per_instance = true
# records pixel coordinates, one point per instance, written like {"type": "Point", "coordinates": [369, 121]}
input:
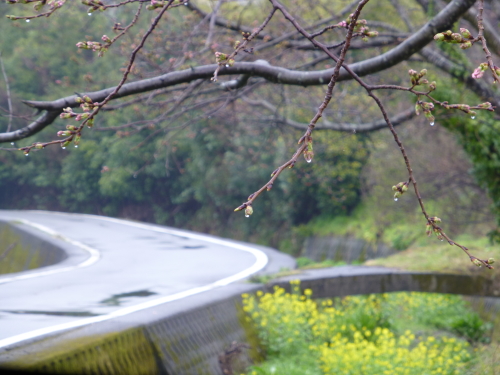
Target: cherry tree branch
{"type": "Point", "coordinates": [442, 21]}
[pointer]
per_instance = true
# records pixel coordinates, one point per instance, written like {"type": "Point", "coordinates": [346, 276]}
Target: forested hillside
{"type": "Point", "coordinates": [188, 163]}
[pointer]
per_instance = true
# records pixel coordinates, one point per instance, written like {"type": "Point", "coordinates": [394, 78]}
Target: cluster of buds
{"type": "Point", "coordinates": [96, 46]}
{"type": "Point", "coordinates": [360, 27]}
{"type": "Point", "coordinates": [479, 263]}
{"type": "Point", "coordinates": [431, 227]}
{"type": "Point", "coordinates": [71, 131]}
{"type": "Point", "coordinates": [416, 78]}
{"type": "Point", "coordinates": [39, 4]}
{"type": "Point", "coordinates": [245, 35]}
{"type": "Point", "coordinates": [426, 108]}
{"type": "Point", "coordinates": [156, 4]}
{"type": "Point", "coordinates": [479, 71]}
{"type": "Point", "coordinates": [308, 152]}
{"type": "Point", "coordinates": [221, 58]}
{"type": "Point", "coordinates": [94, 5]}
{"type": "Point", "coordinates": [400, 189]}
{"type": "Point", "coordinates": [86, 104]}
{"type": "Point", "coordinates": [465, 38]}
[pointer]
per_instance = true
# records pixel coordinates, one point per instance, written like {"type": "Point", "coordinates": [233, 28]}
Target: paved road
{"type": "Point", "coordinates": [118, 267]}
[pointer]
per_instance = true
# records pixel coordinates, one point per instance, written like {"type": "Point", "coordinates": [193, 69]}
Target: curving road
{"type": "Point", "coordinates": [116, 267]}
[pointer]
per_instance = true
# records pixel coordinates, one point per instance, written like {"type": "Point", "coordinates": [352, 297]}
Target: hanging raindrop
{"type": "Point", "coordinates": [27, 21]}
{"type": "Point", "coordinates": [473, 117]}
{"type": "Point", "coordinates": [395, 199]}
{"type": "Point", "coordinates": [247, 215]}
{"type": "Point", "coordinates": [186, 3]}
{"type": "Point", "coordinates": [76, 146]}
{"type": "Point", "coordinates": [89, 14]}
{"type": "Point", "coordinates": [64, 148]}
{"type": "Point", "coordinates": [12, 143]}
{"type": "Point", "coordinates": [354, 131]}
{"type": "Point", "coordinates": [26, 154]}
{"type": "Point", "coordinates": [432, 123]}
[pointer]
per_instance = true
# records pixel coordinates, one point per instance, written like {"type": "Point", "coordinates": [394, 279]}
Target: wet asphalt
{"type": "Point", "coordinates": [129, 264]}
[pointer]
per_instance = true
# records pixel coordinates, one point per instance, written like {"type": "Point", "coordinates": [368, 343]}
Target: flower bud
{"type": "Point", "coordinates": [485, 105]}
{"type": "Point", "coordinates": [78, 99]}
{"type": "Point", "coordinates": [439, 37]}
{"type": "Point", "coordinates": [466, 45]}
{"type": "Point", "coordinates": [248, 211]}
{"type": "Point", "coordinates": [418, 107]}
{"type": "Point", "coordinates": [39, 145]}
{"type": "Point", "coordinates": [490, 261]}
{"type": "Point", "coordinates": [465, 33]}
{"type": "Point", "coordinates": [308, 155]}
{"type": "Point", "coordinates": [477, 262]}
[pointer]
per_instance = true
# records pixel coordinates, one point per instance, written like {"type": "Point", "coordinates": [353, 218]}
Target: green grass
{"type": "Point", "coordinates": [432, 255]}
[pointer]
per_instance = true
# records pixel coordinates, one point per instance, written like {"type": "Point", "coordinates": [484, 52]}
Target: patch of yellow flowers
{"type": "Point", "coordinates": [288, 323]}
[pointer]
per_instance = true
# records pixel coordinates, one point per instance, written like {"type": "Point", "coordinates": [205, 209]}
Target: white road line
{"type": "Point", "coordinates": [260, 263]}
{"type": "Point", "coordinates": [94, 255]}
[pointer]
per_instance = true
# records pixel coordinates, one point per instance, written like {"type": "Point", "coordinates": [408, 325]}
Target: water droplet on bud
{"type": "Point", "coordinates": [12, 143]}
{"type": "Point", "coordinates": [89, 14]}
{"type": "Point", "coordinates": [76, 146]}
{"type": "Point", "coordinates": [432, 123]}
{"type": "Point", "coordinates": [227, 65]}
{"type": "Point", "coordinates": [26, 154]}
{"type": "Point", "coordinates": [309, 160]}
{"type": "Point", "coordinates": [27, 21]}
{"type": "Point", "coordinates": [247, 215]}
{"type": "Point", "coordinates": [473, 117]}
{"type": "Point", "coordinates": [395, 199]}
{"type": "Point", "coordinates": [64, 148]}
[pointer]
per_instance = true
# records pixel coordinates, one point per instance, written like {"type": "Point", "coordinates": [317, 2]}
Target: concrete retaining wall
{"type": "Point", "coordinates": [191, 335]}
{"type": "Point", "coordinates": [347, 249]}
{"type": "Point", "coordinates": [22, 250]}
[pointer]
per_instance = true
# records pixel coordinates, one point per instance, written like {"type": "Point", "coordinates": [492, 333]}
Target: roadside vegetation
{"type": "Point", "coordinates": [394, 333]}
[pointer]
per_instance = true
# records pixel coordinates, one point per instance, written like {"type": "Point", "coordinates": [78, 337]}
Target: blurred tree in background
{"type": "Point", "coordinates": [187, 154]}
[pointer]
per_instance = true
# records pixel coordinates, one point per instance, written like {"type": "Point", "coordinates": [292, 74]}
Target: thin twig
{"type": "Point", "coordinates": [328, 96]}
